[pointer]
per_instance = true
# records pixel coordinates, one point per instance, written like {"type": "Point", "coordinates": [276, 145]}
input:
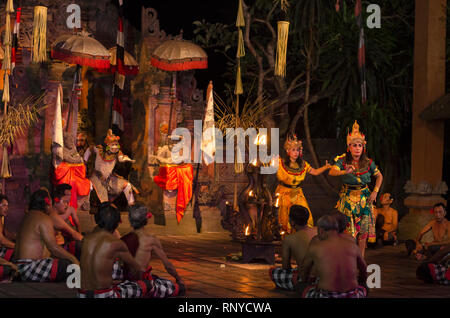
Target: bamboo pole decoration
{"type": "Point", "coordinates": [240, 22]}
{"type": "Point", "coordinates": [238, 90]}
{"type": "Point", "coordinates": [241, 46]}
{"type": "Point", "coordinates": [6, 167]}
{"type": "Point", "coordinates": [282, 41]}
{"type": "Point", "coordinates": [5, 171]}
{"type": "Point", "coordinates": [5, 97]}
{"type": "Point", "coordinates": [7, 43]}
{"type": "Point", "coordinates": [9, 6]}
{"type": "Point", "coordinates": [39, 52]}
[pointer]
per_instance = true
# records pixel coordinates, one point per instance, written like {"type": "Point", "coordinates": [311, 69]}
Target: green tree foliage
{"type": "Point", "coordinates": [328, 41]}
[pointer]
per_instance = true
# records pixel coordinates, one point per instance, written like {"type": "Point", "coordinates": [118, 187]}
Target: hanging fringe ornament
{"type": "Point", "coordinates": [241, 46]}
{"type": "Point", "coordinates": [6, 167]}
{"type": "Point", "coordinates": [5, 97]}
{"type": "Point", "coordinates": [283, 32]}
{"type": "Point", "coordinates": [238, 90]}
{"type": "Point", "coordinates": [39, 53]}
{"type": "Point", "coordinates": [240, 22]}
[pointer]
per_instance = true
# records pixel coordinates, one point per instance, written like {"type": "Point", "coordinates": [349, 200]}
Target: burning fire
{"type": "Point", "coordinates": [254, 162]}
{"type": "Point", "coordinates": [278, 200]}
{"type": "Point", "coordinates": [282, 233]}
{"type": "Point", "coordinates": [247, 230]}
{"type": "Point", "coordinates": [260, 139]}
{"type": "Point", "coordinates": [250, 194]}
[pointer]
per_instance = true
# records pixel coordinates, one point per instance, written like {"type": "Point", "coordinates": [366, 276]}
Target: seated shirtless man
{"type": "Point", "coordinates": [336, 261]}
{"type": "Point", "coordinates": [141, 245]}
{"type": "Point", "coordinates": [66, 236]}
{"type": "Point", "coordinates": [36, 242]}
{"type": "Point", "coordinates": [6, 245]}
{"type": "Point", "coordinates": [99, 252]}
{"type": "Point", "coordinates": [386, 221]}
{"type": "Point", "coordinates": [293, 246]}
{"type": "Point", "coordinates": [440, 228]}
{"type": "Point", "coordinates": [341, 220]}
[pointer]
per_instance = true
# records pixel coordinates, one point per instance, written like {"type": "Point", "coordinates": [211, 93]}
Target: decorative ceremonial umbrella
{"type": "Point", "coordinates": [178, 55]}
{"type": "Point", "coordinates": [82, 50]}
{"type": "Point", "coordinates": [130, 67]}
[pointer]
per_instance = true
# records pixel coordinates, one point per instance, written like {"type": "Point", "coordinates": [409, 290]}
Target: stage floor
{"type": "Point", "coordinates": [201, 260]}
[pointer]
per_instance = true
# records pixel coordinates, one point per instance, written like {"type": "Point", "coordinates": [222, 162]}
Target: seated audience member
{"type": "Point", "coordinates": [99, 252]}
{"type": "Point", "coordinates": [386, 221]}
{"type": "Point", "coordinates": [341, 220]}
{"type": "Point", "coordinates": [66, 236]}
{"type": "Point", "coordinates": [294, 246]}
{"type": "Point", "coordinates": [7, 270]}
{"type": "Point", "coordinates": [440, 228]}
{"type": "Point", "coordinates": [437, 268]}
{"type": "Point", "coordinates": [62, 193]}
{"type": "Point", "coordinates": [36, 242]}
{"type": "Point", "coordinates": [141, 245]}
{"type": "Point", "coordinates": [6, 245]}
{"type": "Point", "coordinates": [336, 261]}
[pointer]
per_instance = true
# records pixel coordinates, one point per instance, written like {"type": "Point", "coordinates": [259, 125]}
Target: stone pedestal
{"type": "Point", "coordinates": [421, 199]}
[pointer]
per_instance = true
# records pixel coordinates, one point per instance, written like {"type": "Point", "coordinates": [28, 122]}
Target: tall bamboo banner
{"type": "Point", "coordinates": [6, 65]}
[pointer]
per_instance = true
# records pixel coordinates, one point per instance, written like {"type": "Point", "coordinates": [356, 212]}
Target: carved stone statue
{"type": "Point", "coordinates": [70, 169]}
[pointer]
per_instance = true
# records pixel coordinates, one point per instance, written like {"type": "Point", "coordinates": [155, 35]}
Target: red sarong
{"type": "Point", "coordinates": [74, 175]}
{"type": "Point", "coordinates": [174, 177]}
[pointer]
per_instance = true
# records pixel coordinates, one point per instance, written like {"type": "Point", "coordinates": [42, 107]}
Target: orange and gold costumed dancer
{"type": "Point", "coordinates": [291, 172]}
{"type": "Point", "coordinates": [175, 177]}
{"type": "Point", "coordinates": [70, 169]}
{"type": "Point", "coordinates": [107, 184]}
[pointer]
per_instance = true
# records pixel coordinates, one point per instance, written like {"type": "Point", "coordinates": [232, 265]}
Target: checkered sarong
{"type": "Point", "coordinates": [163, 288]}
{"type": "Point", "coordinates": [440, 273]}
{"type": "Point", "coordinates": [43, 270]}
{"type": "Point", "coordinates": [314, 292]}
{"type": "Point", "coordinates": [6, 253]}
{"type": "Point", "coordinates": [127, 289]}
{"type": "Point", "coordinates": [284, 278]}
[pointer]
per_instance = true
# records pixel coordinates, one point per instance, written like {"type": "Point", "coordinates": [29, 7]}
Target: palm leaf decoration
{"type": "Point", "coordinates": [20, 118]}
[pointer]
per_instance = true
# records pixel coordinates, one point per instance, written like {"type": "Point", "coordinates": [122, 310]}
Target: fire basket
{"type": "Point", "coordinates": [255, 225]}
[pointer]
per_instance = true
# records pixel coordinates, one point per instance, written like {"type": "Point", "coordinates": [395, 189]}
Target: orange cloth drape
{"type": "Point", "coordinates": [74, 175]}
{"type": "Point", "coordinates": [174, 177]}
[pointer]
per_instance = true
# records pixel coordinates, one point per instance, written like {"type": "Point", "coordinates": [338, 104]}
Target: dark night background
{"type": "Point", "coordinates": [177, 15]}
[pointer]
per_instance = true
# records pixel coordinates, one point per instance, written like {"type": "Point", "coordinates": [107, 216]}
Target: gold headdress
{"type": "Point", "coordinates": [110, 137]}
{"type": "Point", "coordinates": [356, 135]}
{"type": "Point", "coordinates": [292, 142]}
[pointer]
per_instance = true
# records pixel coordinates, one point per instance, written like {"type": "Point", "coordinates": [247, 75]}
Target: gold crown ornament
{"type": "Point", "coordinates": [292, 142]}
{"type": "Point", "coordinates": [356, 135]}
{"type": "Point", "coordinates": [110, 137]}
